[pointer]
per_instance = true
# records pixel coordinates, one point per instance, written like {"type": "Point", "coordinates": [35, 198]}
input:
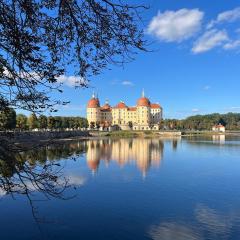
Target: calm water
{"type": "Point", "coordinates": [173, 189]}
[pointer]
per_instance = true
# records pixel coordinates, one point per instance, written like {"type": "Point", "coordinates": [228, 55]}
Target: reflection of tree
{"type": "Point", "coordinates": [29, 173]}
{"type": "Point", "coordinates": [174, 144]}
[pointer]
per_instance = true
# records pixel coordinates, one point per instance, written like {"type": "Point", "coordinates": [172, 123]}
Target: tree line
{"type": "Point", "coordinates": [9, 120]}
{"type": "Point", "coordinates": [204, 122]}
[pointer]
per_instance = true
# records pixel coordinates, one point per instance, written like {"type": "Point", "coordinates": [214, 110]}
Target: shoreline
{"type": "Point", "coordinates": [39, 138]}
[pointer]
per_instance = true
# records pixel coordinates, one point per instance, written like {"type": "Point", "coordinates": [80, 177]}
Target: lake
{"type": "Point", "coordinates": [168, 189]}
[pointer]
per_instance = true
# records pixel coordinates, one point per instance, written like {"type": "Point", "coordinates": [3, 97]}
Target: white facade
{"type": "Point", "coordinates": [219, 128]}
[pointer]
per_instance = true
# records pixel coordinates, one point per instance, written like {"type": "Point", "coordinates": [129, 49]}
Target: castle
{"type": "Point", "coordinates": [144, 116]}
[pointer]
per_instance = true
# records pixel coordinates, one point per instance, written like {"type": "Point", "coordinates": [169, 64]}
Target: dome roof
{"type": "Point", "coordinates": [143, 102]}
{"type": "Point", "coordinates": [121, 105]}
{"type": "Point", "coordinates": [106, 106]}
{"type": "Point", "coordinates": [93, 165]}
{"type": "Point", "coordinates": [93, 103]}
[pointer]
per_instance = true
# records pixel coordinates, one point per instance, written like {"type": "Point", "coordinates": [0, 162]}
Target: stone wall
{"type": "Point", "coordinates": [169, 133]}
{"type": "Point", "coordinates": [43, 135]}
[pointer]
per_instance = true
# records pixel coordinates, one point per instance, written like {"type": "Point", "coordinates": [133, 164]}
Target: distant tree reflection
{"type": "Point", "coordinates": [28, 172]}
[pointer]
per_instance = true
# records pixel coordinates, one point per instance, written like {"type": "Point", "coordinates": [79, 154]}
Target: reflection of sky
{"type": "Point", "coordinates": [192, 194]}
{"type": "Point", "coordinates": [2, 193]}
{"type": "Point", "coordinates": [72, 180]}
{"type": "Point", "coordinates": [208, 222]}
{"type": "Point", "coordinates": [170, 231]}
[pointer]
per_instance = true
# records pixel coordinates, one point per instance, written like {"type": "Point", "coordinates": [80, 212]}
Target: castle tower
{"type": "Point", "coordinates": [93, 111]}
{"type": "Point", "coordinates": [143, 112]}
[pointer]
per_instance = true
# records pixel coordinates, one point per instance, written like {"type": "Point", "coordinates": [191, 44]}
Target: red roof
{"type": "Point", "coordinates": [93, 103]}
{"type": "Point", "coordinates": [143, 102]}
{"type": "Point", "coordinates": [132, 109]}
{"type": "Point", "coordinates": [155, 105]}
{"type": "Point", "coordinates": [219, 126]}
{"type": "Point", "coordinates": [121, 105]}
{"type": "Point", "coordinates": [106, 106]}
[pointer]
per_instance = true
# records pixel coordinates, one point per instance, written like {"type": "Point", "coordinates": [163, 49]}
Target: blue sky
{"type": "Point", "coordinates": [194, 68]}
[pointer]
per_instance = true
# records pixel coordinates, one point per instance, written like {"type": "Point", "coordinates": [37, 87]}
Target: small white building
{"type": "Point", "coordinates": [219, 128]}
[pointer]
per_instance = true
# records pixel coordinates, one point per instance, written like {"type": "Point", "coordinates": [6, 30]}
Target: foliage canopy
{"type": "Point", "coordinates": [40, 38]}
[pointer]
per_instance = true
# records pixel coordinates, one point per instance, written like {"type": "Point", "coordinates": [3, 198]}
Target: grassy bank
{"type": "Point", "coordinates": [209, 133]}
{"type": "Point", "coordinates": [132, 134]}
{"type": "Point", "coordinates": [129, 134]}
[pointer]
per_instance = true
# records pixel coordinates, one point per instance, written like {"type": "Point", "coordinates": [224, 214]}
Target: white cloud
{"type": "Point", "coordinates": [72, 81]}
{"type": "Point", "coordinates": [235, 108]}
{"type": "Point", "coordinates": [176, 26]}
{"type": "Point", "coordinates": [232, 45]}
{"type": "Point", "coordinates": [72, 107]}
{"type": "Point", "coordinates": [209, 40]}
{"type": "Point", "coordinates": [171, 26]}
{"type": "Point", "coordinates": [124, 83]}
{"type": "Point", "coordinates": [227, 16]}
{"type": "Point", "coordinates": [127, 83]}
{"type": "Point", "coordinates": [195, 110]}
{"type": "Point", "coordinates": [207, 87]}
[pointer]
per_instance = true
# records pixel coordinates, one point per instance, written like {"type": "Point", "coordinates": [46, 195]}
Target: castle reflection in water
{"type": "Point", "coordinates": [142, 152]}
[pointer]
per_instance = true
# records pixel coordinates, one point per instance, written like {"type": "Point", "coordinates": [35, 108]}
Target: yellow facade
{"type": "Point", "coordinates": [143, 116]}
{"type": "Point", "coordinates": [141, 153]}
